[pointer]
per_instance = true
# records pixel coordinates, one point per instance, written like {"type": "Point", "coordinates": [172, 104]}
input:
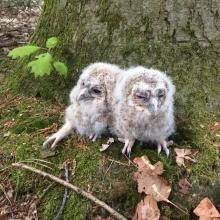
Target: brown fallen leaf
{"type": "Point", "coordinates": [184, 186]}
{"type": "Point", "coordinates": [149, 181]}
{"type": "Point", "coordinates": [147, 209]}
{"type": "Point", "coordinates": [164, 218]}
{"type": "Point", "coordinates": [144, 163]}
{"type": "Point", "coordinates": [82, 144]}
{"type": "Point", "coordinates": [206, 210]}
{"type": "Point", "coordinates": [183, 154]}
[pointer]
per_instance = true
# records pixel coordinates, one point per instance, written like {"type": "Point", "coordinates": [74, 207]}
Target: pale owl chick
{"type": "Point", "coordinates": [143, 108]}
{"type": "Point", "coordinates": [88, 113]}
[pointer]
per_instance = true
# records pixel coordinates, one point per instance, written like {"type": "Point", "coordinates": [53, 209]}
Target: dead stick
{"type": "Point", "coordinates": [74, 188]}
{"type": "Point", "coordinates": [60, 212]}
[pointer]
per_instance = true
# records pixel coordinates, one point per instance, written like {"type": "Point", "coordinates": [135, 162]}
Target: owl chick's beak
{"type": "Point", "coordinates": [153, 106]}
{"type": "Point", "coordinates": [84, 94]}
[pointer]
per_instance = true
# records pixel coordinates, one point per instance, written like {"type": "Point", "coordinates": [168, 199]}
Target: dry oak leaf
{"type": "Point", "coordinates": [164, 218]}
{"type": "Point", "coordinates": [184, 186]}
{"type": "Point", "coordinates": [149, 181]}
{"type": "Point", "coordinates": [147, 209]}
{"type": "Point", "coordinates": [181, 155]}
{"type": "Point", "coordinates": [206, 210]}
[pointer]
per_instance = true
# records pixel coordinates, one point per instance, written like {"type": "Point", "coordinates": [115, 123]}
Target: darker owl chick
{"type": "Point", "coordinates": [143, 108]}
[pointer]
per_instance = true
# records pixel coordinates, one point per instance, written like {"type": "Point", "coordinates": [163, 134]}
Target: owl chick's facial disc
{"type": "Point", "coordinates": [89, 91]}
{"type": "Point", "coordinates": [88, 112]}
{"type": "Point", "coordinates": [144, 107]}
{"type": "Point", "coordinates": [149, 96]}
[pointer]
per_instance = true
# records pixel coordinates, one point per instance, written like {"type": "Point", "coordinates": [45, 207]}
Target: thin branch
{"type": "Point", "coordinates": [6, 168]}
{"type": "Point", "coordinates": [5, 193]}
{"type": "Point", "coordinates": [60, 212]}
{"type": "Point", "coordinates": [44, 193]}
{"type": "Point", "coordinates": [130, 162]}
{"type": "Point", "coordinates": [74, 188]}
{"type": "Point", "coordinates": [43, 161]}
{"type": "Point", "coordinates": [34, 162]}
{"type": "Point", "coordinates": [118, 162]}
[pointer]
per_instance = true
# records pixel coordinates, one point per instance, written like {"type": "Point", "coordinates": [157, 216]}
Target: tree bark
{"type": "Point", "coordinates": [179, 37]}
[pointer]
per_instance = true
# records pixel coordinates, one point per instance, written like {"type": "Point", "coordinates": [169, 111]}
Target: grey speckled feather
{"type": "Point", "coordinates": [90, 103]}
{"type": "Point", "coordinates": [143, 108]}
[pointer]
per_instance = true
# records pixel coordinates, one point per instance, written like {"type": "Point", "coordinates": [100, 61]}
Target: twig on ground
{"type": "Point", "coordinates": [47, 130]}
{"type": "Point", "coordinates": [5, 102]}
{"type": "Point", "coordinates": [44, 193]}
{"type": "Point", "coordinates": [74, 188]}
{"type": "Point", "coordinates": [118, 162]}
{"type": "Point", "coordinates": [5, 168]}
{"type": "Point", "coordinates": [130, 162]}
{"type": "Point", "coordinates": [37, 163]}
{"type": "Point", "coordinates": [107, 171]}
{"type": "Point", "coordinates": [5, 193]}
{"type": "Point", "coordinates": [60, 212]}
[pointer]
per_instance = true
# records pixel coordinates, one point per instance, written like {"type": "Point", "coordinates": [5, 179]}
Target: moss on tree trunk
{"type": "Point", "coordinates": [179, 37]}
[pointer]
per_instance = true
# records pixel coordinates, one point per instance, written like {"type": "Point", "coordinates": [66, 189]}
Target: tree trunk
{"type": "Point", "coordinates": [179, 37]}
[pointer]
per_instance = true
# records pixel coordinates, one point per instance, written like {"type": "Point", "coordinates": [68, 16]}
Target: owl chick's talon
{"type": "Point", "coordinates": [159, 149]}
{"type": "Point", "coordinates": [48, 140]}
{"type": "Point", "coordinates": [94, 138]}
{"type": "Point", "coordinates": [165, 145]}
{"type": "Point", "coordinates": [167, 151]}
{"type": "Point", "coordinates": [127, 146]}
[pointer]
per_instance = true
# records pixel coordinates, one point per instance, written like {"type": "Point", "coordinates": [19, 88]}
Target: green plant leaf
{"type": "Point", "coordinates": [23, 51]}
{"type": "Point", "coordinates": [52, 42]}
{"type": "Point", "coordinates": [61, 68]}
{"type": "Point", "coordinates": [42, 65]}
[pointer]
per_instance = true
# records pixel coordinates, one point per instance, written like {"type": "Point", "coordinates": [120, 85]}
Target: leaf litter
{"type": "Point", "coordinates": [182, 155]}
{"type": "Point", "coordinates": [148, 179]}
{"type": "Point", "coordinates": [184, 186]}
{"type": "Point", "coordinates": [154, 186]}
{"type": "Point", "coordinates": [147, 209]}
{"type": "Point", "coordinates": [206, 210]}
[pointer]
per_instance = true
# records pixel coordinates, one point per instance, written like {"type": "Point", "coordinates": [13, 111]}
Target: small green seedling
{"type": "Point", "coordinates": [44, 63]}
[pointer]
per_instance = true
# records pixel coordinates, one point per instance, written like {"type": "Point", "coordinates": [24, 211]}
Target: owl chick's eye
{"type": "Point", "coordinates": [96, 90]}
{"type": "Point", "coordinates": [160, 93]}
{"type": "Point", "coordinates": [143, 95]}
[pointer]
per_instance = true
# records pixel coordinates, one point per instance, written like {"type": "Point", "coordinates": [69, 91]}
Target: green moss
{"type": "Point", "coordinates": [110, 182]}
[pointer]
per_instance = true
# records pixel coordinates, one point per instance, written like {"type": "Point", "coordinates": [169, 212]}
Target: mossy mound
{"type": "Point", "coordinates": [29, 120]}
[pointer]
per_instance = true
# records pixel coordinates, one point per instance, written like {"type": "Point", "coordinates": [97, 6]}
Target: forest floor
{"type": "Point", "coordinates": [25, 121]}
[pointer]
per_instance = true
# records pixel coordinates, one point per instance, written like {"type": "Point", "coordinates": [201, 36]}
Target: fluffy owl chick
{"type": "Point", "coordinates": [143, 108]}
{"type": "Point", "coordinates": [88, 112]}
